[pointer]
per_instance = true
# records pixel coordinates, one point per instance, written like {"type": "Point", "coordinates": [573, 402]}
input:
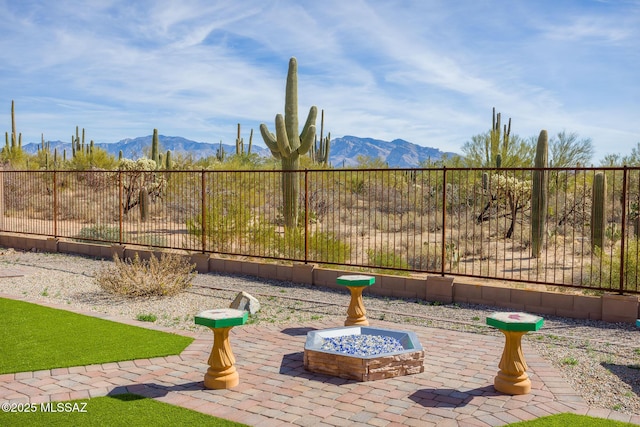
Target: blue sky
{"type": "Point", "coordinates": [425, 71]}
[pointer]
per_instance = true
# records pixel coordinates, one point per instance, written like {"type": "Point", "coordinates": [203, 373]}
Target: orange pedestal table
{"type": "Point", "coordinates": [222, 372]}
{"type": "Point", "coordinates": [512, 377]}
{"type": "Point", "coordinates": [356, 283]}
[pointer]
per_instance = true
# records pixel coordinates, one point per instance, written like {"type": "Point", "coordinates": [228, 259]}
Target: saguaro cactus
{"type": "Point", "coordinates": [597, 210]}
{"type": "Point", "coordinates": [320, 153]}
{"type": "Point", "coordinates": [16, 139]}
{"type": "Point", "coordinates": [155, 154]}
{"type": "Point", "coordinates": [143, 204]}
{"type": "Point", "coordinates": [167, 161]}
{"type": "Point", "coordinates": [220, 154]}
{"type": "Point", "coordinates": [13, 144]}
{"type": "Point", "coordinates": [539, 195]}
{"type": "Point", "coordinates": [497, 145]}
{"type": "Point", "coordinates": [240, 143]}
{"type": "Point", "coordinates": [287, 146]}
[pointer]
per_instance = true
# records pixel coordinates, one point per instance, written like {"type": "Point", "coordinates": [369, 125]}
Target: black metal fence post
{"type": "Point", "coordinates": [120, 208]}
{"type": "Point", "coordinates": [444, 219]}
{"type": "Point", "coordinates": [55, 205]}
{"type": "Point", "coordinates": [306, 215]}
{"type": "Point", "coordinates": [623, 228]}
{"type": "Point", "coordinates": [203, 211]}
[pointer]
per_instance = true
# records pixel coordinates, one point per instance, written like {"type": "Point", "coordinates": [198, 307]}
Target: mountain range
{"type": "Point", "coordinates": [344, 152]}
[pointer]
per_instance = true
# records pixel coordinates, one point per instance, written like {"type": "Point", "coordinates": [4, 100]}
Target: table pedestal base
{"type": "Point", "coordinates": [511, 384]}
{"type": "Point", "coordinates": [356, 314]}
{"type": "Point", "coordinates": [222, 373]}
{"type": "Point", "coordinates": [512, 377]}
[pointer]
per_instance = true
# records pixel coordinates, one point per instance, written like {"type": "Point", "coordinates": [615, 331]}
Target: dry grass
{"type": "Point", "coordinates": [169, 275]}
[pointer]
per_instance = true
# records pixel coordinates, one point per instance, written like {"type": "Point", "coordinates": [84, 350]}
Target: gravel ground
{"type": "Point", "coordinates": [601, 360]}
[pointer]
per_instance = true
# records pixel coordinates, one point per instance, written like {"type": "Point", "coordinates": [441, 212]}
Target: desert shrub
{"type": "Point", "coordinates": [227, 219]}
{"type": "Point", "coordinates": [327, 247]}
{"type": "Point", "coordinates": [425, 257]}
{"type": "Point", "coordinates": [386, 258]}
{"type": "Point", "coordinates": [605, 271]}
{"type": "Point", "coordinates": [99, 232]}
{"type": "Point", "coordinates": [167, 276]}
{"type": "Point", "coordinates": [27, 193]}
{"type": "Point", "coordinates": [324, 246]}
{"type": "Point", "coordinates": [97, 158]}
{"type": "Point", "coordinates": [137, 175]}
{"type": "Point", "coordinates": [96, 179]}
{"type": "Point", "coordinates": [151, 239]}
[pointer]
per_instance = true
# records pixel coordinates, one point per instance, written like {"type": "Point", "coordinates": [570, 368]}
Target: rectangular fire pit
{"type": "Point", "coordinates": [407, 360]}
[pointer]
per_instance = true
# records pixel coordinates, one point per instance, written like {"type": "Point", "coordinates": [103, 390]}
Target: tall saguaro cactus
{"type": "Point", "coordinates": [539, 195]}
{"type": "Point", "coordinates": [287, 146]}
{"type": "Point", "coordinates": [155, 153]}
{"type": "Point", "coordinates": [597, 210]}
{"type": "Point", "coordinates": [240, 143]}
{"type": "Point", "coordinates": [16, 140]}
{"type": "Point", "coordinates": [320, 153]}
{"type": "Point", "coordinates": [12, 151]}
{"type": "Point", "coordinates": [497, 145]}
{"type": "Point", "coordinates": [13, 144]}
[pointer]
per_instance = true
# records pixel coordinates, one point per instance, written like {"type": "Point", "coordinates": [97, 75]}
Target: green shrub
{"type": "Point", "coordinates": [147, 317]}
{"type": "Point", "coordinates": [151, 239]}
{"type": "Point", "coordinates": [426, 257]}
{"type": "Point", "coordinates": [98, 158]}
{"type": "Point", "coordinates": [143, 278]}
{"type": "Point", "coordinates": [385, 258]}
{"type": "Point", "coordinates": [98, 232]}
{"type": "Point", "coordinates": [605, 271]}
{"type": "Point", "coordinates": [226, 221]}
{"type": "Point", "coordinates": [324, 246]}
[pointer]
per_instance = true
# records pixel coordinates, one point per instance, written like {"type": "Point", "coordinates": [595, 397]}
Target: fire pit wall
{"type": "Point", "coordinates": [408, 361]}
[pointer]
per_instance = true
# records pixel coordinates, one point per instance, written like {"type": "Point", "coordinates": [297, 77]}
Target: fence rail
{"type": "Point", "coordinates": [465, 222]}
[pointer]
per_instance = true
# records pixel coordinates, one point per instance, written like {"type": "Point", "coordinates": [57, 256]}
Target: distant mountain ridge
{"type": "Point", "coordinates": [134, 148]}
{"type": "Point", "coordinates": [344, 151]}
{"type": "Point", "coordinates": [397, 153]}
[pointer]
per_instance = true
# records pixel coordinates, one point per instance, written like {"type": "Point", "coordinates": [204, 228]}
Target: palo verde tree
{"type": "Point", "coordinates": [567, 150]}
{"type": "Point", "coordinates": [287, 145]}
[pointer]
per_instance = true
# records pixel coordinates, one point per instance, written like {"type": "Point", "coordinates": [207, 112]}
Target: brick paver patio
{"type": "Point", "coordinates": [456, 387]}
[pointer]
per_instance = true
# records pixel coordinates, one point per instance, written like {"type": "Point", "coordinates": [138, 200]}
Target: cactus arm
{"type": "Point", "coordinates": [282, 137]}
{"type": "Point", "coordinates": [270, 141]}
{"type": "Point", "coordinates": [327, 149]}
{"type": "Point", "coordinates": [308, 135]}
{"type": "Point", "coordinates": [291, 104]}
{"type": "Point", "coordinates": [307, 141]}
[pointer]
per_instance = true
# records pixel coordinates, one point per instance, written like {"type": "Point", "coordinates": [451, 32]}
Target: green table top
{"type": "Point", "coordinates": [221, 318]}
{"type": "Point", "coordinates": [515, 321]}
{"type": "Point", "coordinates": [356, 280]}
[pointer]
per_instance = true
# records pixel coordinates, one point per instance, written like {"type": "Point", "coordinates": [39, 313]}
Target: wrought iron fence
{"type": "Point", "coordinates": [464, 222]}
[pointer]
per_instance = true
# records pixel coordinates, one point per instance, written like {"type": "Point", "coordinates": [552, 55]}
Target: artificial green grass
{"type": "Point", "coordinates": [33, 338]}
{"type": "Point", "coordinates": [120, 410]}
{"type": "Point", "coordinates": [573, 420]}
